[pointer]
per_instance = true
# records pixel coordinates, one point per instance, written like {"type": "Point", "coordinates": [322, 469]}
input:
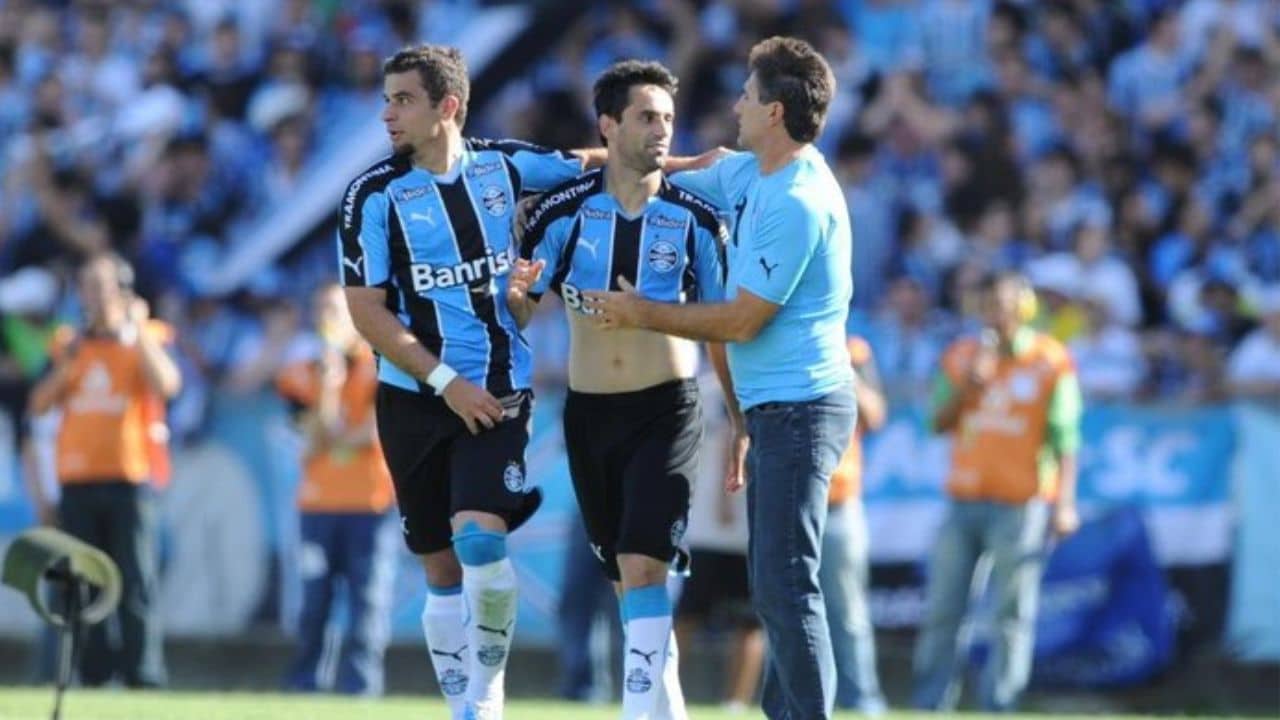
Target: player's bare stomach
{"type": "Point", "coordinates": [615, 361]}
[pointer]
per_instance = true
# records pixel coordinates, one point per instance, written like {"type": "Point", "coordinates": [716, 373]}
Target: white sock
{"type": "Point", "coordinates": [447, 644]}
{"type": "Point", "coordinates": [670, 704]}
{"type": "Point", "coordinates": [490, 592]}
{"type": "Point", "coordinates": [648, 613]}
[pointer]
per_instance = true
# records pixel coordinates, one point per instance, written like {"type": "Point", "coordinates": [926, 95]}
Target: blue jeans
{"type": "Point", "coordinates": [1015, 537]}
{"type": "Point", "coordinates": [794, 449]}
{"type": "Point", "coordinates": [843, 577]}
{"type": "Point", "coordinates": [359, 551]}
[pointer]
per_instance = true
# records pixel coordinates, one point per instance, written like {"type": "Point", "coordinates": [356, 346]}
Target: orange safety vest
{"type": "Point", "coordinates": [113, 425]}
{"type": "Point", "coordinates": [997, 445]}
{"type": "Point", "coordinates": [846, 481]}
{"type": "Point", "coordinates": [341, 480]}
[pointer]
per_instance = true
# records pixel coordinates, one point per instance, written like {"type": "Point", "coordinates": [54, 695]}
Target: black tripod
{"type": "Point", "coordinates": [69, 632]}
{"type": "Point", "coordinates": [43, 561]}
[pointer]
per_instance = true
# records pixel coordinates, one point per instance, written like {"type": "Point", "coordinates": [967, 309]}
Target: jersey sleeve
{"type": "Point", "coordinates": [298, 385]}
{"type": "Point", "coordinates": [547, 245]}
{"type": "Point", "coordinates": [364, 256]}
{"type": "Point", "coordinates": [1066, 408]}
{"type": "Point", "coordinates": [709, 264]}
{"type": "Point", "coordinates": [705, 182]}
{"type": "Point", "coordinates": [722, 183]}
{"type": "Point", "coordinates": [538, 168]}
{"type": "Point", "coordinates": [62, 343]}
{"type": "Point", "coordinates": [779, 250]}
{"type": "Point", "coordinates": [948, 377]}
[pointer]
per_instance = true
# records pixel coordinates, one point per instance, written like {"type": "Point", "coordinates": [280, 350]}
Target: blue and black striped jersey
{"type": "Point", "coordinates": [441, 247]}
{"type": "Point", "coordinates": [672, 251]}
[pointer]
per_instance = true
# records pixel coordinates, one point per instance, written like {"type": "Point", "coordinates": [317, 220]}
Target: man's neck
{"type": "Point", "coordinates": [631, 189]}
{"type": "Point", "coordinates": [104, 328]}
{"type": "Point", "coordinates": [438, 157]}
{"type": "Point", "coordinates": [1011, 342]}
{"type": "Point", "coordinates": [776, 151]}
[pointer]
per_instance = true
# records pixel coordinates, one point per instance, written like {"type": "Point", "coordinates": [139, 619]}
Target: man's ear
{"type": "Point", "coordinates": [776, 112]}
{"type": "Point", "coordinates": [607, 126]}
{"type": "Point", "coordinates": [448, 107]}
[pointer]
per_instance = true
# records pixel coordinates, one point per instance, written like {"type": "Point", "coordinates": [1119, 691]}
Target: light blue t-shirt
{"type": "Point", "coordinates": [792, 246]}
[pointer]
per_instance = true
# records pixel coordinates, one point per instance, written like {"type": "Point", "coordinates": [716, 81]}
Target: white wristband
{"type": "Point", "coordinates": [440, 377]}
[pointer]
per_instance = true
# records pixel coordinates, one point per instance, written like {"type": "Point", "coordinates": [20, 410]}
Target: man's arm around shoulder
{"type": "Point", "coordinates": [739, 320]}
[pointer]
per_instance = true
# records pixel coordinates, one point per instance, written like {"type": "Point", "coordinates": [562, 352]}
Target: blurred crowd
{"type": "Point", "coordinates": [162, 130]}
{"type": "Point", "coordinates": [1125, 155]}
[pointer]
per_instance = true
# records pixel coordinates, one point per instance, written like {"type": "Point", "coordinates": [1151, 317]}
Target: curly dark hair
{"type": "Point", "coordinates": [788, 70]}
{"type": "Point", "coordinates": [441, 70]}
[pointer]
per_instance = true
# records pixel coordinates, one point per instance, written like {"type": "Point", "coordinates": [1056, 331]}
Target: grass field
{"type": "Point", "coordinates": [36, 704]}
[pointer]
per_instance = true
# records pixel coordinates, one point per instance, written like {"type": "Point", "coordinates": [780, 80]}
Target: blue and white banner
{"type": "Point", "coordinates": [1171, 463]}
{"type": "Point", "coordinates": [1253, 619]}
{"type": "Point", "coordinates": [229, 547]}
{"type": "Point", "coordinates": [1104, 617]}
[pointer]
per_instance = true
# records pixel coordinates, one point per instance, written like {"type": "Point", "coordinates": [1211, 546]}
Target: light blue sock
{"type": "Point", "coordinates": [647, 612]}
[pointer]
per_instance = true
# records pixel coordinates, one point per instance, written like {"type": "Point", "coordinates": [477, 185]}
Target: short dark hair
{"type": "Point", "coordinates": [788, 70]}
{"type": "Point", "coordinates": [993, 280]}
{"type": "Point", "coordinates": [612, 91]}
{"type": "Point", "coordinates": [441, 70]}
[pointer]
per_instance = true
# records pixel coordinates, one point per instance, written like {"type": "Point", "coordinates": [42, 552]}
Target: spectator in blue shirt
{"type": "Point", "coordinates": [1145, 84]}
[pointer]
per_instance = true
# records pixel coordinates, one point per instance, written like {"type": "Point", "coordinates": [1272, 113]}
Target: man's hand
{"type": "Point", "coordinates": [1065, 519]}
{"type": "Point", "coordinates": [982, 369]}
{"type": "Point", "coordinates": [612, 309]}
{"type": "Point", "coordinates": [736, 463]}
{"type": "Point", "coordinates": [333, 369]}
{"type": "Point", "coordinates": [138, 311]}
{"type": "Point", "coordinates": [523, 276]}
{"type": "Point", "coordinates": [696, 162]}
{"type": "Point", "coordinates": [477, 408]}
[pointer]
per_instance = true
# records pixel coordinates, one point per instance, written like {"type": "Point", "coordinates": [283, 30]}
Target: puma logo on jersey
{"type": "Point", "coordinates": [354, 265]}
{"type": "Point", "coordinates": [496, 631]}
{"type": "Point", "coordinates": [456, 654]}
{"type": "Point", "coordinates": [648, 656]}
{"type": "Point", "coordinates": [768, 269]}
{"type": "Point", "coordinates": [592, 245]}
{"type": "Point", "coordinates": [427, 217]}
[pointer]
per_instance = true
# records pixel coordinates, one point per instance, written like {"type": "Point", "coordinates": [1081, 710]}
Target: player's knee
{"type": "Point", "coordinates": [641, 570]}
{"type": "Point", "coordinates": [464, 519]}
{"type": "Point", "coordinates": [476, 546]}
{"type": "Point", "coordinates": [442, 568]}
{"type": "Point", "coordinates": [772, 602]}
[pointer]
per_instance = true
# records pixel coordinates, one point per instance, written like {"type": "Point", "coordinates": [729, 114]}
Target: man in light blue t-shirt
{"type": "Point", "coordinates": [787, 297]}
